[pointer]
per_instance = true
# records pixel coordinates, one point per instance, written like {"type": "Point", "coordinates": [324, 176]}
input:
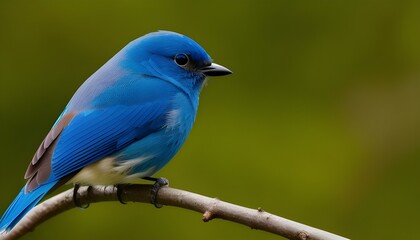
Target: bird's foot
{"type": "Point", "coordinates": [159, 183]}
{"type": "Point", "coordinates": [76, 200]}
{"type": "Point", "coordinates": [120, 192]}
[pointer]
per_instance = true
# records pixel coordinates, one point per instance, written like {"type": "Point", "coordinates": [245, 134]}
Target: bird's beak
{"type": "Point", "coordinates": [215, 70]}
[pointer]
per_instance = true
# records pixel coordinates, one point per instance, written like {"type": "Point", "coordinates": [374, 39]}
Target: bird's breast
{"type": "Point", "coordinates": [181, 117]}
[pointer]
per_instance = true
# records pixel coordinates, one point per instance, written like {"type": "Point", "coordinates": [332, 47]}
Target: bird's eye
{"type": "Point", "coordinates": [181, 59]}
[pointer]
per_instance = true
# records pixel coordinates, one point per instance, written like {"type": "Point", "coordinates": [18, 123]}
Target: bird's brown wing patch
{"type": "Point", "coordinates": [39, 169]}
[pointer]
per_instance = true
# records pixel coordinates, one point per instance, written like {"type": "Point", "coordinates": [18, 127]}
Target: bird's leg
{"type": "Point", "coordinates": [76, 200]}
{"type": "Point", "coordinates": [159, 183]}
{"type": "Point", "coordinates": [120, 192]}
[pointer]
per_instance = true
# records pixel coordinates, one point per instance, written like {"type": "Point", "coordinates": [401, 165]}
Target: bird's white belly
{"type": "Point", "coordinates": [107, 172]}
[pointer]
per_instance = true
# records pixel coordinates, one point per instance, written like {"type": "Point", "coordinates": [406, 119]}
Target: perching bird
{"type": "Point", "coordinates": [126, 121]}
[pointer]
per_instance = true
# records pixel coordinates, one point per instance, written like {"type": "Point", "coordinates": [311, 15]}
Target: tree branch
{"type": "Point", "coordinates": [210, 207]}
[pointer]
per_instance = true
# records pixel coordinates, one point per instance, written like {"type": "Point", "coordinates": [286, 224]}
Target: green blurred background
{"type": "Point", "coordinates": [320, 122]}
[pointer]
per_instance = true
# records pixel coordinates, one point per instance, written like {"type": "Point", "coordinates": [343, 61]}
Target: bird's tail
{"type": "Point", "coordinates": [22, 204]}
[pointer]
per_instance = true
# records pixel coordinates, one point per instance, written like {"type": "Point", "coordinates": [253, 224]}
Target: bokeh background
{"type": "Point", "coordinates": [320, 122]}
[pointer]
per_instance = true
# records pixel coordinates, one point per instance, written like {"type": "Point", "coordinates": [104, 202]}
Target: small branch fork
{"type": "Point", "coordinates": [210, 207]}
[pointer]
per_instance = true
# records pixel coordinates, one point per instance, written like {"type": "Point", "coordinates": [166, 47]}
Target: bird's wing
{"type": "Point", "coordinates": [76, 141]}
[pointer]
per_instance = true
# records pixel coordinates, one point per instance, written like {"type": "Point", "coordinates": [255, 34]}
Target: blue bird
{"type": "Point", "coordinates": [125, 122]}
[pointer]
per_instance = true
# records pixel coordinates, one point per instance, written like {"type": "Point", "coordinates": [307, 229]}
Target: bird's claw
{"type": "Point", "coordinates": [76, 200]}
{"type": "Point", "coordinates": [120, 192]}
{"type": "Point", "coordinates": [159, 183]}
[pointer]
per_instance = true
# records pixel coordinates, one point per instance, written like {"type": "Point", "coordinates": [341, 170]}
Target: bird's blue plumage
{"type": "Point", "coordinates": [22, 204]}
{"type": "Point", "coordinates": [94, 134]}
{"type": "Point", "coordinates": [126, 121]}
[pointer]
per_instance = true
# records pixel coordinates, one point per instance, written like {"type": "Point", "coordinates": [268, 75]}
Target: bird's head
{"type": "Point", "coordinates": [172, 57]}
